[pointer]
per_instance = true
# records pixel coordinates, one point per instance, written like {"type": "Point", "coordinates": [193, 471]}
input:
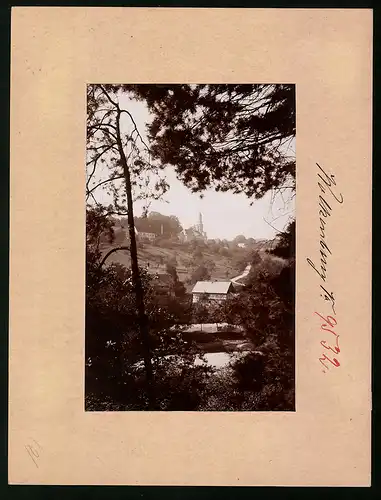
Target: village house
{"type": "Point", "coordinates": [212, 290]}
{"type": "Point", "coordinates": [141, 235]}
{"type": "Point", "coordinates": [149, 232]}
{"type": "Point", "coordinates": [146, 236]}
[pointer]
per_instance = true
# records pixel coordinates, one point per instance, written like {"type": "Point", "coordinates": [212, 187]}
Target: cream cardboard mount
{"type": "Point", "coordinates": [55, 53]}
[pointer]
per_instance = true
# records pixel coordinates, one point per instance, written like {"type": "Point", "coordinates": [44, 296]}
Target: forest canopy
{"type": "Point", "coordinates": [226, 136]}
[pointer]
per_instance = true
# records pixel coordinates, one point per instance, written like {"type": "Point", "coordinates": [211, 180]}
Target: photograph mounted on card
{"type": "Point", "coordinates": [195, 189]}
{"type": "Point", "coordinates": [182, 316]}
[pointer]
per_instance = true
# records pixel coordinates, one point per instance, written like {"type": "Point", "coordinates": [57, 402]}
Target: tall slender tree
{"type": "Point", "coordinates": [118, 160]}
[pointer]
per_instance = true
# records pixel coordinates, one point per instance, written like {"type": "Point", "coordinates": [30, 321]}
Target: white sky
{"type": "Point", "coordinates": [225, 215]}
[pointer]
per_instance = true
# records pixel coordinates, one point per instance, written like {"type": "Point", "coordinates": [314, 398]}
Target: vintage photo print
{"type": "Point", "coordinates": [190, 254]}
{"type": "Point", "coordinates": [190, 247]}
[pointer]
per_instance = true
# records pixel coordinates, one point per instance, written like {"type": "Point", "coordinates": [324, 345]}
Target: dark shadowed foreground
{"type": "Point", "coordinates": [149, 280]}
{"type": "Point", "coordinates": [247, 367]}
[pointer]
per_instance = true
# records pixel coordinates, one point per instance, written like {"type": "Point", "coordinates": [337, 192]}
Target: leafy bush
{"type": "Point", "coordinates": [260, 380]}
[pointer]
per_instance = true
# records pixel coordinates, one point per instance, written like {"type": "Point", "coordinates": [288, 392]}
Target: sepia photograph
{"type": "Point", "coordinates": [190, 247]}
{"type": "Point", "coordinates": [191, 207]}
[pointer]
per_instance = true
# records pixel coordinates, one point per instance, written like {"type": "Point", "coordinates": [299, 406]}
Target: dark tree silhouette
{"type": "Point", "coordinates": [229, 136]}
{"type": "Point", "coordinates": [127, 158]}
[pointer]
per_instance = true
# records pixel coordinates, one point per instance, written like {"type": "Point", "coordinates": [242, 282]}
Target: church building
{"type": "Point", "coordinates": [195, 232]}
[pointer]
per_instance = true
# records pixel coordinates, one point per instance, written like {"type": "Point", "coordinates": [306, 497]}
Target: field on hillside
{"type": "Point", "coordinates": [155, 258]}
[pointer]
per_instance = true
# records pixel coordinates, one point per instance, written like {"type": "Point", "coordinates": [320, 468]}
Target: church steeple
{"type": "Point", "coordinates": [200, 224]}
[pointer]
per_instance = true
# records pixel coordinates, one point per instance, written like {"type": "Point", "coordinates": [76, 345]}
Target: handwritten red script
{"type": "Point", "coordinates": [329, 323]}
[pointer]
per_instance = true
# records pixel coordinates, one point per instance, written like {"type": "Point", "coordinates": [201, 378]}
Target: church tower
{"type": "Point", "coordinates": [200, 224]}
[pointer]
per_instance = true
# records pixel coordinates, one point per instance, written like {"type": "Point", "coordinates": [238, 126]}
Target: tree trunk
{"type": "Point", "coordinates": [143, 320]}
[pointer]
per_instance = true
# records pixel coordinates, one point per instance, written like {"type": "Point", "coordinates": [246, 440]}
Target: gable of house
{"type": "Point", "coordinates": [213, 287]}
{"type": "Point", "coordinates": [213, 290]}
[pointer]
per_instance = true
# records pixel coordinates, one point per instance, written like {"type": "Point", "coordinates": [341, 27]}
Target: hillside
{"type": "Point", "coordinates": [155, 258]}
{"type": "Point", "coordinates": [223, 262]}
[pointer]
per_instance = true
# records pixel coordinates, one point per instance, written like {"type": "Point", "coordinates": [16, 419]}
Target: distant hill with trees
{"type": "Point", "coordinates": [193, 260]}
{"type": "Point", "coordinates": [154, 222]}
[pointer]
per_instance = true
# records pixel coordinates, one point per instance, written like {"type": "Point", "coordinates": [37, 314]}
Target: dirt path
{"type": "Point", "coordinates": [243, 275]}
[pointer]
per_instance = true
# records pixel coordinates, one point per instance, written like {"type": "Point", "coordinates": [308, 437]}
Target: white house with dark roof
{"type": "Point", "coordinates": [212, 290]}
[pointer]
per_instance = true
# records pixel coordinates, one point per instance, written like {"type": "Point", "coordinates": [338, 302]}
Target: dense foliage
{"type": "Point", "coordinates": [155, 222]}
{"type": "Point", "coordinates": [260, 379]}
{"type": "Point", "coordinates": [114, 369]}
{"type": "Point", "coordinates": [229, 136]}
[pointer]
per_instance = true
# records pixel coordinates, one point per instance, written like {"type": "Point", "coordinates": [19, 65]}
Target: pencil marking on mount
{"type": "Point", "coordinates": [33, 448]}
